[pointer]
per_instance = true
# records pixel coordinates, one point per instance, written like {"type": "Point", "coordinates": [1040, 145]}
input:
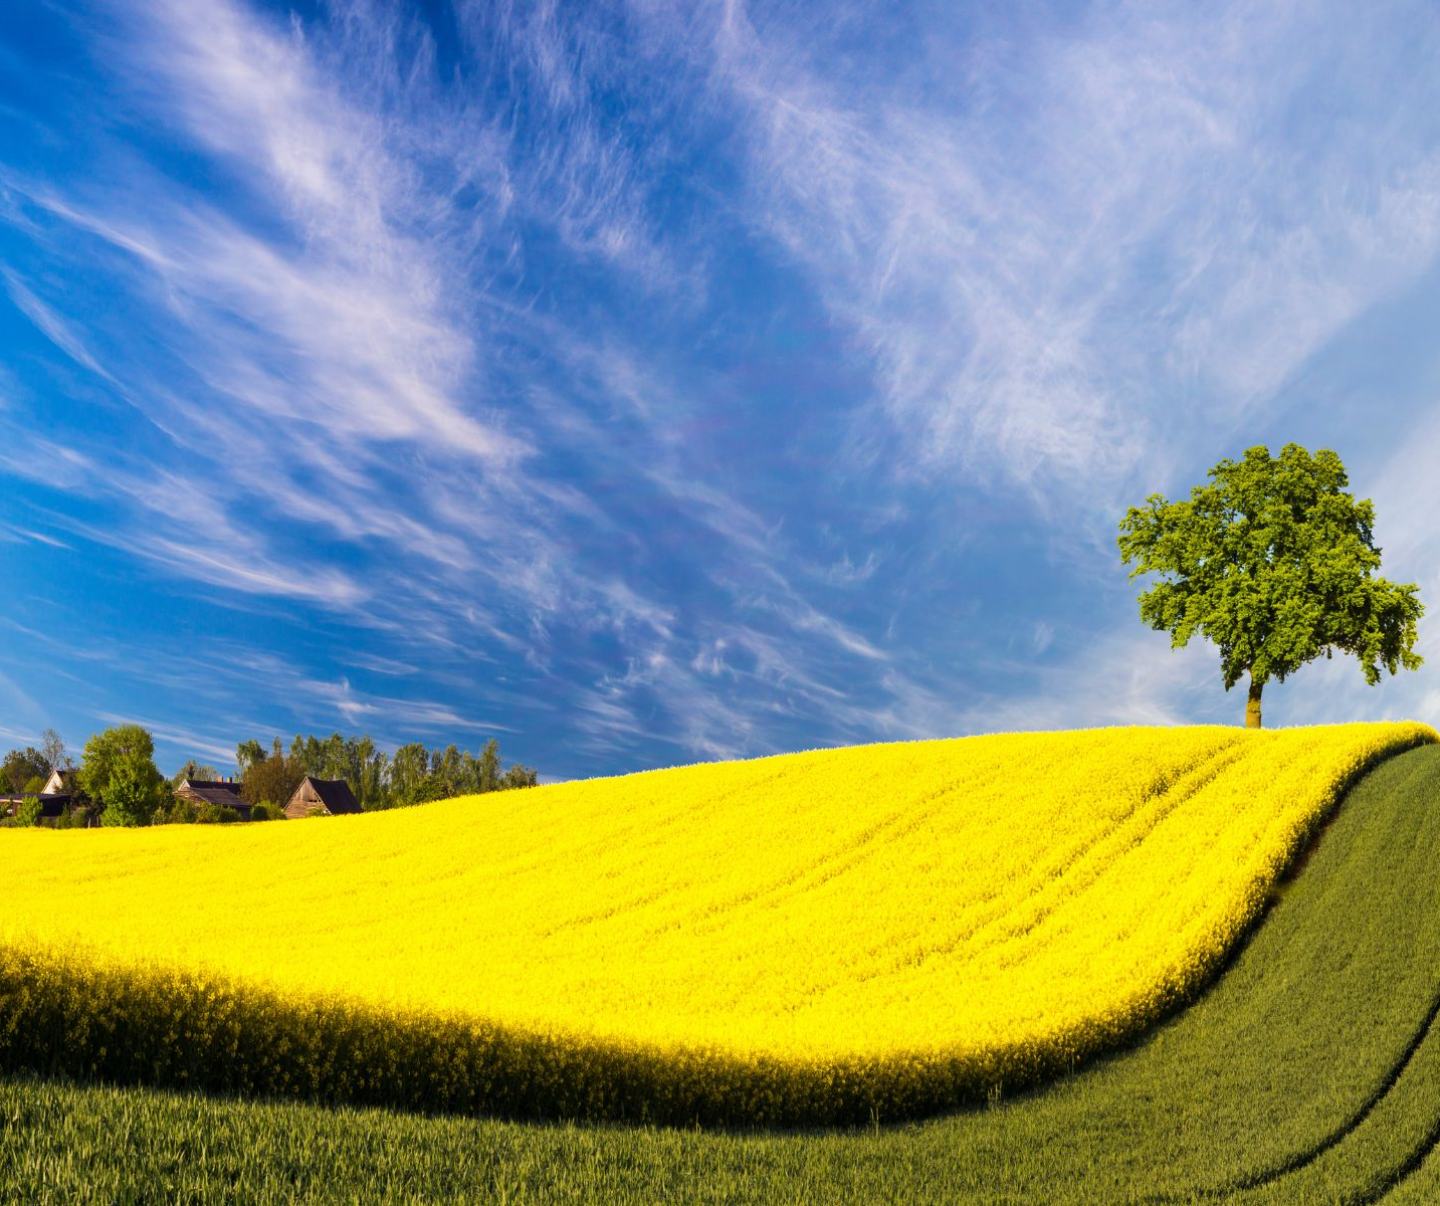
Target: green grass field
{"type": "Point", "coordinates": [1310, 1072]}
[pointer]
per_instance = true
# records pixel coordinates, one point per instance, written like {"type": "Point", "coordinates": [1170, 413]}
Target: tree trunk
{"type": "Point", "coordinates": [1252, 704]}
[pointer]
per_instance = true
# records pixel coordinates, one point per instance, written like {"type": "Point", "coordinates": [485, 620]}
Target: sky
{"type": "Point", "coordinates": [649, 383]}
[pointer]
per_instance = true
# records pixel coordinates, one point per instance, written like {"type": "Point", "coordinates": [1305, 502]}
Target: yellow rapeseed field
{"type": "Point", "coordinates": [826, 936]}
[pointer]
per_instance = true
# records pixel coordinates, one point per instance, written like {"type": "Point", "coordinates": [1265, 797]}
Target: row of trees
{"type": "Point", "coordinates": [118, 782]}
{"type": "Point", "coordinates": [412, 775]}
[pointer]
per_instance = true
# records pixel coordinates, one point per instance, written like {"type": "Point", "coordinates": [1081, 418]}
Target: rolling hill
{"type": "Point", "coordinates": [1309, 1072]}
{"type": "Point", "coordinates": [847, 935]}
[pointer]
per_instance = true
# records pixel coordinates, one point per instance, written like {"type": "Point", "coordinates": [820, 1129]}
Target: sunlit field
{"type": "Point", "coordinates": [837, 936]}
{"type": "Point", "coordinates": [1310, 1071]}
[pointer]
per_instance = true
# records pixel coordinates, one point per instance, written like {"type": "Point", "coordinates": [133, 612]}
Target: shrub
{"type": "Point", "coordinates": [179, 811]}
{"type": "Point", "coordinates": [216, 814]}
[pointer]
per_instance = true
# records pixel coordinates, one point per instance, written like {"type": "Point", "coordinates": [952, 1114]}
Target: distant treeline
{"type": "Point", "coordinates": [412, 775]}
{"type": "Point", "coordinates": [118, 783]}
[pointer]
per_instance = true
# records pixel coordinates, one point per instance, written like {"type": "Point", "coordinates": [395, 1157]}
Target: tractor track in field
{"type": "Point", "coordinates": [1367, 1107]}
{"type": "Point", "coordinates": [1408, 1166]}
{"type": "Point", "coordinates": [1423, 1038]}
{"type": "Point", "coordinates": [1336, 1137]}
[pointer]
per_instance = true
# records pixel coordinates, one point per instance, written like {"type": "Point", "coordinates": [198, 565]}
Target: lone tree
{"type": "Point", "coordinates": [1275, 562]}
{"type": "Point", "coordinates": [118, 772]}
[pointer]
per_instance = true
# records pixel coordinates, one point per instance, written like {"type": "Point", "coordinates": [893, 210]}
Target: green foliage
{"type": "Point", "coordinates": [1275, 562]}
{"type": "Point", "coordinates": [409, 771]}
{"type": "Point", "coordinates": [1307, 1074]}
{"type": "Point", "coordinates": [247, 753]}
{"type": "Point", "coordinates": [28, 813]}
{"type": "Point", "coordinates": [34, 786]}
{"type": "Point", "coordinates": [272, 778]}
{"type": "Point", "coordinates": [265, 811]}
{"type": "Point", "coordinates": [216, 814]}
{"type": "Point", "coordinates": [519, 776]}
{"type": "Point", "coordinates": [414, 775]}
{"type": "Point", "coordinates": [131, 796]}
{"type": "Point", "coordinates": [178, 811]}
{"type": "Point", "coordinates": [118, 772]}
{"type": "Point", "coordinates": [20, 767]}
{"type": "Point", "coordinates": [488, 775]}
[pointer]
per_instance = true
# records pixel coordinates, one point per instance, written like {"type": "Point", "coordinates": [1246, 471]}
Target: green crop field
{"type": "Point", "coordinates": [1310, 1071]}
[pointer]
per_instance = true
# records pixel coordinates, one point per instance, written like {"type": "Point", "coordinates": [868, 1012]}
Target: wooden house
{"type": "Point", "coordinates": [321, 798]}
{"type": "Point", "coordinates": [214, 791]}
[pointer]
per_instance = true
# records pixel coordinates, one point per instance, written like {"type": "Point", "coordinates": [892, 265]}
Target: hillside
{"type": "Point", "coordinates": [1310, 1071]}
{"type": "Point", "coordinates": [840, 935]}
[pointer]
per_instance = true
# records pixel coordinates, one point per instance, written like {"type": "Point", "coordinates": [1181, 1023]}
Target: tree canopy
{"type": "Point", "coordinates": [247, 753]}
{"type": "Point", "coordinates": [414, 774]}
{"type": "Point", "coordinates": [118, 772]}
{"type": "Point", "coordinates": [1274, 561]}
{"type": "Point", "coordinates": [273, 779]}
{"type": "Point", "coordinates": [20, 767]}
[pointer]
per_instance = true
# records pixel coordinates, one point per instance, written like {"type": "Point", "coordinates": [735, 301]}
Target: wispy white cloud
{"type": "Point", "coordinates": [11, 532]}
{"type": "Point", "coordinates": [350, 329]}
{"type": "Point", "coordinates": [1080, 222]}
{"type": "Point", "coordinates": [205, 745]}
{"type": "Point", "coordinates": [449, 348]}
{"type": "Point", "coordinates": [847, 573]}
{"type": "Point", "coordinates": [56, 329]}
{"type": "Point", "coordinates": [23, 715]}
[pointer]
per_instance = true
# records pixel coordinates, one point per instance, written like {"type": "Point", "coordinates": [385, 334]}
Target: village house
{"type": "Point", "coordinates": [55, 795]}
{"type": "Point", "coordinates": [52, 804]}
{"type": "Point", "coordinates": [61, 782]}
{"type": "Point", "coordinates": [321, 798]}
{"type": "Point", "coordinates": [225, 792]}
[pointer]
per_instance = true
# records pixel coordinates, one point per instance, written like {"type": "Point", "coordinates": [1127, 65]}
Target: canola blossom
{"type": "Point", "coordinates": [833, 936]}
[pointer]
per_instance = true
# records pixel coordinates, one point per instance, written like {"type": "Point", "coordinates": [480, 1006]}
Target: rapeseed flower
{"type": "Point", "coordinates": [827, 936]}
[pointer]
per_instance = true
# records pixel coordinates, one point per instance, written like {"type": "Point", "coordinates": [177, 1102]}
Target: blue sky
{"type": "Point", "coordinates": [649, 383]}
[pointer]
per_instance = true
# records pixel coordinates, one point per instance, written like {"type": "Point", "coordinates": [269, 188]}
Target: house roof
{"type": "Point", "coordinates": [215, 791]}
{"type": "Point", "coordinates": [335, 794]}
